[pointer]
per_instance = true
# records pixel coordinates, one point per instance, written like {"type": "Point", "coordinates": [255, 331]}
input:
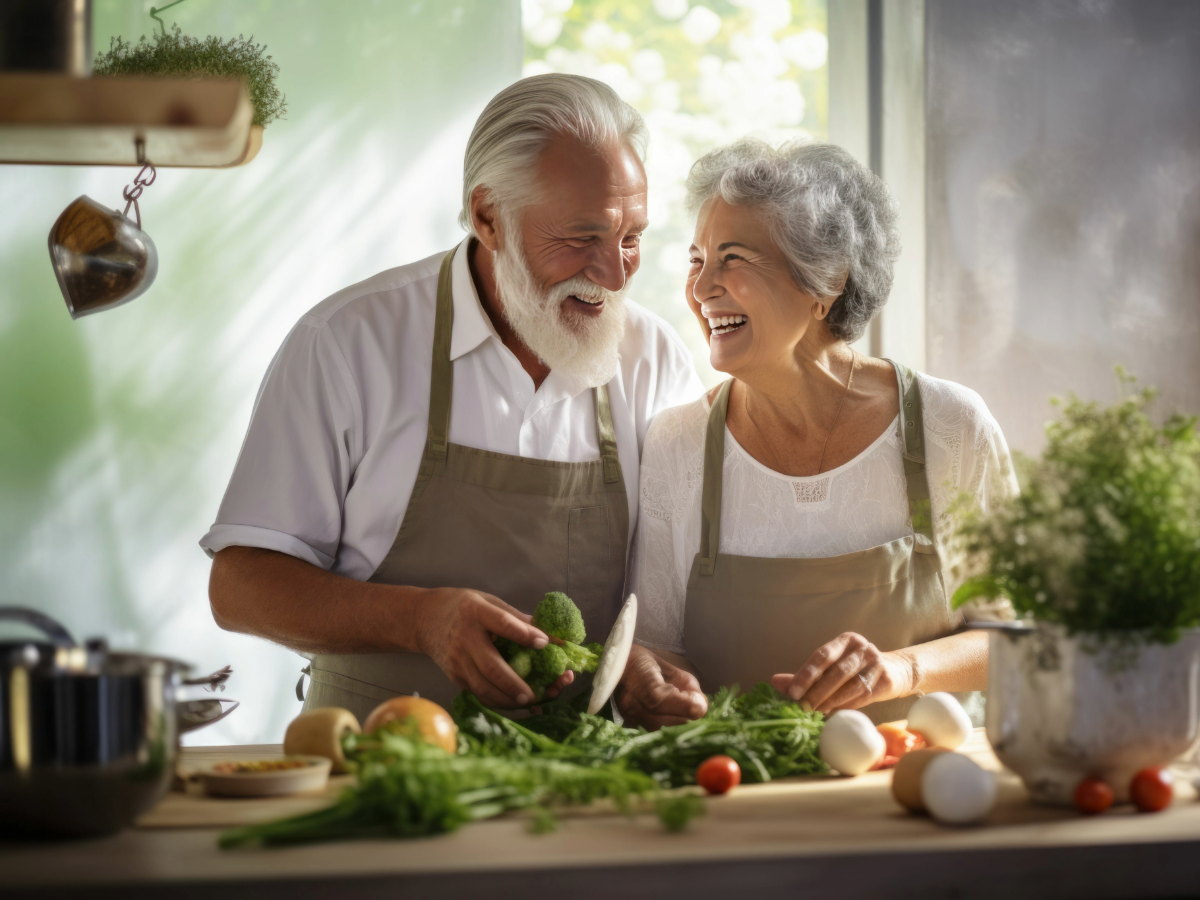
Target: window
{"type": "Point", "coordinates": [703, 75]}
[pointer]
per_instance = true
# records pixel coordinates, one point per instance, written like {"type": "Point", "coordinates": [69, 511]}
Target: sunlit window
{"type": "Point", "coordinates": [703, 75]}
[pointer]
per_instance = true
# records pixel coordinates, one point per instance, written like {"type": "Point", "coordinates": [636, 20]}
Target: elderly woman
{"type": "Point", "coordinates": [793, 519]}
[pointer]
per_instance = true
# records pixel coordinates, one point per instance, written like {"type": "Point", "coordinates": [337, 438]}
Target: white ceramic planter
{"type": "Point", "coordinates": [1060, 709]}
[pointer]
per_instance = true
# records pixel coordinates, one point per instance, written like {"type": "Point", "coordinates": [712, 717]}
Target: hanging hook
{"type": "Point", "coordinates": [154, 11]}
{"type": "Point", "coordinates": [140, 183]}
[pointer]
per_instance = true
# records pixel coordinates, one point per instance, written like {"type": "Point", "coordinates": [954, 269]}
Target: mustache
{"type": "Point", "coordinates": [583, 287]}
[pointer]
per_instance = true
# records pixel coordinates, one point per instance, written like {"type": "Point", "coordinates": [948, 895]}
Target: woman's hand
{"type": "Point", "coordinates": [849, 672]}
{"type": "Point", "coordinates": [654, 693]}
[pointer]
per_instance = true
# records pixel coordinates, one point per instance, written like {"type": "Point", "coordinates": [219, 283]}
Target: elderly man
{"type": "Point", "coordinates": [434, 448]}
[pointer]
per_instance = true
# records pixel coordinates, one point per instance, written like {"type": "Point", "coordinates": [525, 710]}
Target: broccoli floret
{"type": "Point", "coordinates": [559, 617]}
{"type": "Point", "coordinates": [594, 647]}
{"type": "Point", "coordinates": [522, 662]}
{"type": "Point", "coordinates": [580, 659]}
{"type": "Point", "coordinates": [548, 663]}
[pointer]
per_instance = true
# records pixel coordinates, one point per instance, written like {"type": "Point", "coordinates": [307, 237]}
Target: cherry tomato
{"type": "Point", "coordinates": [1093, 796]}
{"type": "Point", "coordinates": [1151, 789]}
{"type": "Point", "coordinates": [718, 774]}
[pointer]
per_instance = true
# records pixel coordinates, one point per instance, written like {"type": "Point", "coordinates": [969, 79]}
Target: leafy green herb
{"type": "Point", "coordinates": [407, 788]}
{"type": "Point", "coordinates": [543, 821]}
{"type": "Point", "coordinates": [179, 55]}
{"type": "Point", "coordinates": [769, 735]}
{"type": "Point", "coordinates": [676, 812]}
{"type": "Point", "coordinates": [1105, 535]}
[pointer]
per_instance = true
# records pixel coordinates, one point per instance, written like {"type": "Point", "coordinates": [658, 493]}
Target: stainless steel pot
{"type": "Point", "coordinates": [89, 737]}
{"type": "Point", "coordinates": [1061, 708]}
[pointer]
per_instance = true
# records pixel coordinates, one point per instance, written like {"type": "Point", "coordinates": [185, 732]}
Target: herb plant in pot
{"type": "Point", "coordinates": [177, 55]}
{"type": "Point", "coordinates": [1100, 557]}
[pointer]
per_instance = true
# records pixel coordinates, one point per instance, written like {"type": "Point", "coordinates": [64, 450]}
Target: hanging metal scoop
{"type": "Point", "coordinates": [102, 259]}
{"type": "Point", "coordinates": [616, 654]}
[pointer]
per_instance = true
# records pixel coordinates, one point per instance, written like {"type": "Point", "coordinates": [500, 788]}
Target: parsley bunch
{"type": "Point", "coordinates": [407, 788]}
{"type": "Point", "coordinates": [768, 734]}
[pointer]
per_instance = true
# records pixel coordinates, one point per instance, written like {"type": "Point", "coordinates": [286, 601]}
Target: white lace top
{"type": "Point", "coordinates": [856, 506]}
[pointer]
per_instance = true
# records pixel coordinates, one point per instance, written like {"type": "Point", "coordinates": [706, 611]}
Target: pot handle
{"type": "Point", "coordinates": [42, 622]}
{"type": "Point", "coordinates": [193, 714]}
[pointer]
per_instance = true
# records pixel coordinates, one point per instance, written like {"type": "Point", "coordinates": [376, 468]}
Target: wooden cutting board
{"type": "Point", "coordinates": [861, 806]}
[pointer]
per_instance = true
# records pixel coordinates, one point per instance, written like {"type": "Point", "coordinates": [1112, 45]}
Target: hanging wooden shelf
{"type": "Point", "coordinates": [60, 120]}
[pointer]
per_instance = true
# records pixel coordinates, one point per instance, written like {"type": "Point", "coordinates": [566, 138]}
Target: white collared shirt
{"type": "Point", "coordinates": [339, 426]}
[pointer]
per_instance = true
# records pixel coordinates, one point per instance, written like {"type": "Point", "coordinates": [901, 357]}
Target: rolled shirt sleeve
{"type": "Point", "coordinates": [295, 465]}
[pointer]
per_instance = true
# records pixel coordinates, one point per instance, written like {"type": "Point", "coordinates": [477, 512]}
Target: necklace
{"type": "Point", "coordinates": [838, 414]}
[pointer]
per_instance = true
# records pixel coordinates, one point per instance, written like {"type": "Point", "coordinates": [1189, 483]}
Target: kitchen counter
{"type": "Point", "coordinates": [823, 837]}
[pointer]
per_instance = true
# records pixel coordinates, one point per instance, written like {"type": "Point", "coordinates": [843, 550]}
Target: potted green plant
{"type": "Point", "coordinates": [177, 55]}
{"type": "Point", "coordinates": [1100, 558]}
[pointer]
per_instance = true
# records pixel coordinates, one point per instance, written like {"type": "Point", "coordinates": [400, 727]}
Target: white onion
{"type": "Point", "coordinates": [956, 790]}
{"type": "Point", "coordinates": [941, 720]}
{"type": "Point", "coordinates": [850, 742]}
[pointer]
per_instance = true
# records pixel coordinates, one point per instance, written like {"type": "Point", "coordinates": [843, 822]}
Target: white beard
{"type": "Point", "coordinates": [571, 344]}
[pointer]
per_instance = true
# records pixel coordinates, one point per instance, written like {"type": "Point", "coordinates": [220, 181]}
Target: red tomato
{"type": "Point", "coordinates": [718, 774]}
{"type": "Point", "coordinates": [1093, 796]}
{"type": "Point", "coordinates": [1151, 789]}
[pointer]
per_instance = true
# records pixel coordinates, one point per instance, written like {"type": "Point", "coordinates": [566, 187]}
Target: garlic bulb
{"type": "Point", "coordinates": [941, 720]}
{"type": "Point", "coordinates": [850, 742]}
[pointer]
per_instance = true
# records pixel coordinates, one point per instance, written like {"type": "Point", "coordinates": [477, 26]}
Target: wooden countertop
{"type": "Point", "coordinates": [821, 837]}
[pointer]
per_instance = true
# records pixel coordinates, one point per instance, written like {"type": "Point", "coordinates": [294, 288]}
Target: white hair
{"type": "Point", "coordinates": [516, 125]}
{"type": "Point", "coordinates": [832, 218]}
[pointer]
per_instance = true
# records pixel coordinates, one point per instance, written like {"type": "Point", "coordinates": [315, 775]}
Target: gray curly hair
{"type": "Point", "coordinates": [833, 218]}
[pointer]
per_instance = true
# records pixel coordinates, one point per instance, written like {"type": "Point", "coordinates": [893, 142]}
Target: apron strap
{"type": "Point", "coordinates": [912, 434]}
{"type": "Point", "coordinates": [307, 670]}
{"type": "Point", "coordinates": [441, 381]}
{"type": "Point", "coordinates": [441, 387]}
{"type": "Point", "coordinates": [710, 497]}
{"type": "Point", "coordinates": [607, 436]}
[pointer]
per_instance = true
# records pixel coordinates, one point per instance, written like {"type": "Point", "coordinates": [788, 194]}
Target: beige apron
{"type": "Point", "coordinates": [507, 525]}
{"type": "Point", "coordinates": [748, 618]}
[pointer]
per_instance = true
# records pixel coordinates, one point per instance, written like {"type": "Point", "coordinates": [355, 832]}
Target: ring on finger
{"type": "Point", "coordinates": [862, 677]}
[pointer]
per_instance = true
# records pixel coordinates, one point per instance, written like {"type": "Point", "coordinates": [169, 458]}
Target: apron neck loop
{"type": "Point", "coordinates": [441, 384]}
{"type": "Point", "coordinates": [710, 498]}
{"type": "Point", "coordinates": [441, 381]}
{"type": "Point", "coordinates": [912, 435]}
{"type": "Point", "coordinates": [607, 436]}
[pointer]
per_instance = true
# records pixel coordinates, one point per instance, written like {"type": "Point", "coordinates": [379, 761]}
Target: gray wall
{"type": "Point", "coordinates": [1063, 200]}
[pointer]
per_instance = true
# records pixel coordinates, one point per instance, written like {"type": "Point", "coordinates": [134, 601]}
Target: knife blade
{"type": "Point", "coordinates": [614, 656]}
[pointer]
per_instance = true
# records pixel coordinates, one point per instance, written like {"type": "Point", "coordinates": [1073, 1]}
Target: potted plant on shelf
{"type": "Point", "coordinates": [177, 55]}
{"type": "Point", "coordinates": [1100, 558]}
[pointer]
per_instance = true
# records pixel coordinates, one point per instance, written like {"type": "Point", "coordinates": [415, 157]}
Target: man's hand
{"type": "Point", "coordinates": [454, 628]}
{"type": "Point", "coordinates": [654, 693]}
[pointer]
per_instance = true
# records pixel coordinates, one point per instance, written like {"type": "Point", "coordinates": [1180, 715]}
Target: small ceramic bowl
{"type": "Point", "coordinates": [266, 778]}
